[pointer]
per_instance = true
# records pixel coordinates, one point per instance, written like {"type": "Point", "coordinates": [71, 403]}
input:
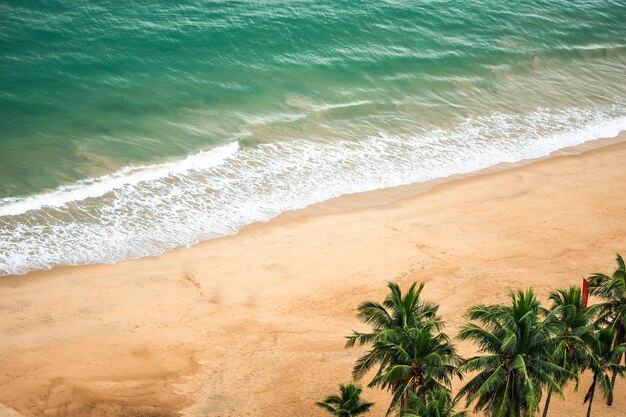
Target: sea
{"type": "Point", "coordinates": [130, 128]}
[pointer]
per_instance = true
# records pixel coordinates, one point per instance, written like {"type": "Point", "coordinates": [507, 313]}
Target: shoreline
{"type": "Point", "coordinates": [375, 198]}
{"type": "Point", "coordinates": [234, 325]}
{"type": "Point", "coordinates": [389, 195]}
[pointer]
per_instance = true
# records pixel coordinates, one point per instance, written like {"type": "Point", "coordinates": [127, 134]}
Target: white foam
{"type": "Point", "coordinates": [148, 210]}
{"type": "Point", "coordinates": [96, 187]}
{"type": "Point", "coordinates": [326, 107]}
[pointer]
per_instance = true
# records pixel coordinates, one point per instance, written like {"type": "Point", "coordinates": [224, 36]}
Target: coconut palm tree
{"type": "Point", "coordinates": [604, 361]}
{"type": "Point", "coordinates": [347, 404]}
{"type": "Point", "coordinates": [413, 361]}
{"type": "Point", "coordinates": [396, 312]}
{"type": "Point", "coordinates": [408, 349]}
{"type": "Point", "coordinates": [437, 403]}
{"type": "Point", "coordinates": [516, 364]}
{"type": "Point", "coordinates": [574, 332]}
{"type": "Point", "coordinates": [612, 312]}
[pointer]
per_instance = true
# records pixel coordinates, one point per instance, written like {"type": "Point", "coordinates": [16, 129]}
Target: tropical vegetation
{"type": "Point", "coordinates": [516, 365]}
{"type": "Point", "coordinates": [408, 349]}
{"type": "Point", "coordinates": [347, 404]}
{"type": "Point", "coordinates": [526, 353]}
{"type": "Point", "coordinates": [612, 311]}
{"type": "Point", "coordinates": [437, 403]}
{"type": "Point", "coordinates": [575, 336]}
{"type": "Point", "coordinates": [605, 356]}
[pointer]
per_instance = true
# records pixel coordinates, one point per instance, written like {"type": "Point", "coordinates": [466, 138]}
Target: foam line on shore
{"type": "Point", "coordinates": [143, 211]}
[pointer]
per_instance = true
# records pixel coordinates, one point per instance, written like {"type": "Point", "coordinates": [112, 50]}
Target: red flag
{"type": "Point", "coordinates": [585, 293]}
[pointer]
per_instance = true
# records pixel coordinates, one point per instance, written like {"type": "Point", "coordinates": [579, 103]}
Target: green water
{"type": "Point", "coordinates": [322, 98]}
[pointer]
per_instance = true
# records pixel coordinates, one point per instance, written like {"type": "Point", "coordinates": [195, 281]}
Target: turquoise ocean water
{"type": "Point", "coordinates": [131, 128]}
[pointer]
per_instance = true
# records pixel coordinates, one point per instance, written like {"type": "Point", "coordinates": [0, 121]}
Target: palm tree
{"type": "Point", "coordinates": [575, 334]}
{"type": "Point", "coordinates": [395, 312]}
{"type": "Point", "coordinates": [612, 312]}
{"type": "Point", "coordinates": [412, 361]}
{"type": "Point", "coordinates": [517, 363]}
{"type": "Point", "coordinates": [407, 347]}
{"type": "Point", "coordinates": [348, 404]}
{"type": "Point", "coordinates": [438, 403]}
{"type": "Point", "coordinates": [604, 360]}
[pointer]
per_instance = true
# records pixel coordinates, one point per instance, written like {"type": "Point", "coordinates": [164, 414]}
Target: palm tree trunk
{"type": "Point", "coordinates": [592, 391]}
{"type": "Point", "coordinates": [609, 401]}
{"type": "Point", "coordinates": [545, 408]}
{"type": "Point", "coordinates": [618, 340]}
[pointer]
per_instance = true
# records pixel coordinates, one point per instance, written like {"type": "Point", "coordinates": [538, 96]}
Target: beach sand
{"type": "Point", "coordinates": [255, 324]}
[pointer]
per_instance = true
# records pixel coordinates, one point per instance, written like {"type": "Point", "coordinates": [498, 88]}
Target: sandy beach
{"type": "Point", "coordinates": [255, 324]}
